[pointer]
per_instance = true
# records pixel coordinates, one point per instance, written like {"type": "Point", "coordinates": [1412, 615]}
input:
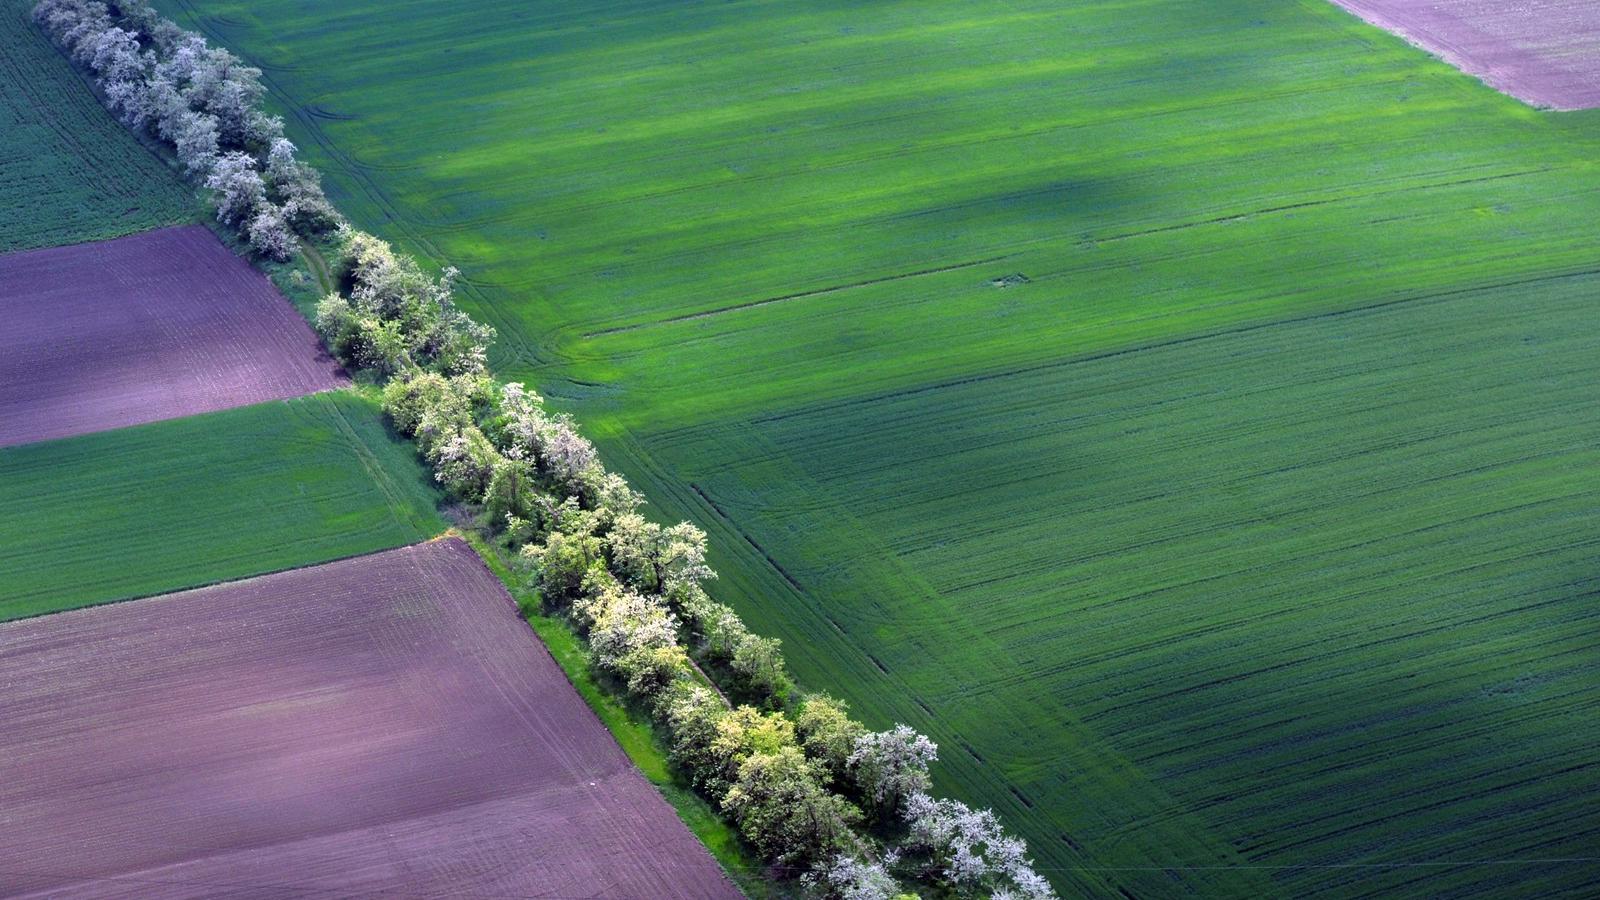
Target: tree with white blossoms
{"type": "Point", "coordinates": [270, 234]}
{"type": "Point", "coordinates": [395, 314]}
{"type": "Point", "coordinates": [969, 850]}
{"type": "Point", "coordinates": [551, 442]}
{"type": "Point", "coordinates": [122, 68]}
{"type": "Point", "coordinates": [844, 877]}
{"type": "Point", "coordinates": [298, 187]}
{"type": "Point", "coordinates": [215, 81]}
{"type": "Point", "coordinates": [632, 636]}
{"type": "Point", "coordinates": [74, 24]}
{"type": "Point", "coordinates": [619, 621]}
{"type": "Point", "coordinates": [238, 186]}
{"type": "Point", "coordinates": [194, 137]}
{"type": "Point", "coordinates": [464, 463]}
{"type": "Point", "coordinates": [115, 55]}
{"type": "Point", "coordinates": [656, 559]}
{"type": "Point", "coordinates": [890, 766]}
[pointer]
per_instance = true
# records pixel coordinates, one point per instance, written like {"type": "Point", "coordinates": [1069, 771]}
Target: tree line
{"type": "Point", "coordinates": [814, 791]}
{"type": "Point", "coordinates": [204, 103]}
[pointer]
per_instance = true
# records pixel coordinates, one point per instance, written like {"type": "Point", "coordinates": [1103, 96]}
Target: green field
{"type": "Point", "coordinates": [71, 172]}
{"type": "Point", "coordinates": [1242, 547]}
{"type": "Point", "coordinates": [175, 504]}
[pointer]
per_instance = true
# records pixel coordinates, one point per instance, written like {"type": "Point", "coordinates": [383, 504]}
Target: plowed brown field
{"type": "Point", "coordinates": [157, 325]}
{"type": "Point", "coordinates": [380, 725]}
{"type": "Point", "coordinates": [1543, 52]}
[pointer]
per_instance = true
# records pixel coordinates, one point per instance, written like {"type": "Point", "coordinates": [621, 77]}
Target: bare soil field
{"type": "Point", "coordinates": [157, 325]}
{"type": "Point", "coordinates": [385, 724]}
{"type": "Point", "coordinates": [1543, 52]}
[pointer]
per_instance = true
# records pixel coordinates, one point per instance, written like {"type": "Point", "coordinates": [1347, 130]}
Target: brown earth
{"type": "Point", "coordinates": [383, 725]}
{"type": "Point", "coordinates": [1543, 52]}
{"type": "Point", "coordinates": [157, 325]}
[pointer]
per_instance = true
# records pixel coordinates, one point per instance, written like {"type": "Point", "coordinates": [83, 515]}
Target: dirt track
{"type": "Point", "coordinates": [158, 325]}
{"type": "Point", "coordinates": [379, 725]}
{"type": "Point", "coordinates": [1543, 52]}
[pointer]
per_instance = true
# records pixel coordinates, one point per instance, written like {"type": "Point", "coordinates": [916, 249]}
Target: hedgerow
{"type": "Point", "coordinates": [203, 102]}
{"type": "Point", "coordinates": [812, 790]}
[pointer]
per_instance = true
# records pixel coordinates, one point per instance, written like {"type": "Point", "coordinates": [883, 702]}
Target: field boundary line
{"type": "Point", "coordinates": [219, 582]}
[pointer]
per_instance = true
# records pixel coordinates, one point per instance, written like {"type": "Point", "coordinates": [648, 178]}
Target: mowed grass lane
{"type": "Point", "coordinates": [71, 172]}
{"type": "Point", "coordinates": [186, 502]}
{"type": "Point", "coordinates": [753, 245]}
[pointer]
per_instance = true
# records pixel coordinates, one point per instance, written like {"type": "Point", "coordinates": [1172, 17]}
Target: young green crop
{"type": "Point", "coordinates": [1007, 354]}
{"type": "Point", "coordinates": [185, 502]}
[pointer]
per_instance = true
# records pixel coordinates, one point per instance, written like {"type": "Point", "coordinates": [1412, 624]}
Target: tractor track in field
{"type": "Point", "coordinates": [1416, 299]}
{"type": "Point", "coordinates": [802, 295]}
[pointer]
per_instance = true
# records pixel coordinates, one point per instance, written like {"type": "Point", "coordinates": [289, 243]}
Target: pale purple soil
{"type": "Point", "coordinates": [384, 725]}
{"type": "Point", "coordinates": [1543, 52]}
{"type": "Point", "coordinates": [158, 325]}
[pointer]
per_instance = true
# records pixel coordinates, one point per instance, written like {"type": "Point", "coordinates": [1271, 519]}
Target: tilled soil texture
{"type": "Point", "coordinates": [1543, 52]}
{"type": "Point", "coordinates": [157, 325]}
{"type": "Point", "coordinates": [381, 725]}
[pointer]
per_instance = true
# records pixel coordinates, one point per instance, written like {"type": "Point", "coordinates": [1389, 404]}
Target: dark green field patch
{"type": "Point", "coordinates": [71, 173]}
{"type": "Point", "coordinates": [1328, 584]}
{"type": "Point", "coordinates": [186, 502]}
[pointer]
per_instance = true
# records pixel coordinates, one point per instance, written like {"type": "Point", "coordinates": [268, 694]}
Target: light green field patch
{"type": "Point", "coordinates": [1200, 583]}
{"type": "Point", "coordinates": [186, 502]}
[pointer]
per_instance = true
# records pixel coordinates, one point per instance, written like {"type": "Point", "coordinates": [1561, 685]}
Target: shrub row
{"type": "Point", "coordinates": [810, 788]}
{"type": "Point", "coordinates": [204, 103]}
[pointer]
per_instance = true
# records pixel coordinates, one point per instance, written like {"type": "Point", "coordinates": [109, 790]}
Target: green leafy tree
{"type": "Point", "coordinates": [781, 808]}
{"type": "Point", "coordinates": [828, 734]}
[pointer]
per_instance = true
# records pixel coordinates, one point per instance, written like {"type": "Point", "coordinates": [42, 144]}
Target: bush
{"type": "Point", "coordinates": [828, 734]}
{"type": "Point", "coordinates": [559, 565]}
{"type": "Point", "coordinates": [270, 234]}
{"type": "Point", "coordinates": [892, 765]}
{"type": "Point", "coordinates": [782, 810]}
